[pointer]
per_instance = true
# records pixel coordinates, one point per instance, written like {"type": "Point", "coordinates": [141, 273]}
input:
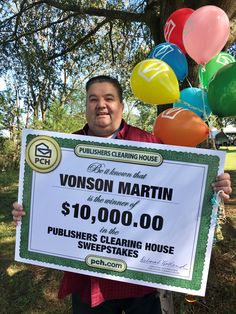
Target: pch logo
{"type": "Point", "coordinates": [43, 154]}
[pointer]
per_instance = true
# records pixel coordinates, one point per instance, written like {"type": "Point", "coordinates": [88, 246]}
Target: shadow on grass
{"type": "Point", "coordinates": [24, 288]}
{"type": "Point", "coordinates": [27, 288]}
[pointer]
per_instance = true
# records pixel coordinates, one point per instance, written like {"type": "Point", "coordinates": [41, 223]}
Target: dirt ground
{"type": "Point", "coordinates": [230, 206]}
{"type": "Point", "coordinates": [221, 286]}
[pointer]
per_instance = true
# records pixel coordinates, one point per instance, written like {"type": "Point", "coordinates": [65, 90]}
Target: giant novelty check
{"type": "Point", "coordinates": [122, 210]}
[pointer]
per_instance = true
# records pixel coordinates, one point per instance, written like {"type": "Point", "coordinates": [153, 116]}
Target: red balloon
{"type": "Point", "coordinates": [182, 127]}
{"type": "Point", "coordinates": [174, 26]}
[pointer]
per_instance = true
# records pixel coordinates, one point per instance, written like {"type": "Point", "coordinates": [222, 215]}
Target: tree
{"type": "Point", "coordinates": [10, 113]}
{"type": "Point", "coordinates": [41, 40]}
{"type": "Point", "coordinates": [10, 121]}
{"type": "Point", "coordinates": [232, 50]}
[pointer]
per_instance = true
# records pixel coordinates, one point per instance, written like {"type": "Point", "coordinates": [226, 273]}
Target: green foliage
{"type": "Point", "coordinates": [11, 121]}
{"type": "Point", "coordinates": [45, 49]}
{"type": "Point", "coordinates": [9, 154]}
{"type": "Point", "coordinates": [10, 112]}
{"type": "Point", "coordinates": [59, 119]}
{"type": "Point", "coordinates": [9, 178]}
{"type": "Point", "coordinates": [147, 117]}
{"type": "Point", "coordinates": [220, 123]}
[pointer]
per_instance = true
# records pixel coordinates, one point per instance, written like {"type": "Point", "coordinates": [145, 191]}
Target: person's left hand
{"type": "Point", "coordinates": [223, 183]}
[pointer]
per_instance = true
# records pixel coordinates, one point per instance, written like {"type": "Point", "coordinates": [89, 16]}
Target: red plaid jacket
{"type": "Point", "coordinates": [94, 290]}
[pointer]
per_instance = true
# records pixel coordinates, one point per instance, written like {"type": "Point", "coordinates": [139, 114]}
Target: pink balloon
{"type": "Point", "coordinates": [205, 33]}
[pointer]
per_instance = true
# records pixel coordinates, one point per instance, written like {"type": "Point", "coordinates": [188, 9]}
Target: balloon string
{"type": "Point", "coordinates": [203, 98]}
{"type": "Point", "coordinates": [218, 215]}
{"type": "Point", "coordinates": [211, 123]}
{"type": "Point", "coordinates": [202, 70]}
{"type": "Point", "coordinates": [188, 82]}
{"type": "Point", "coordinates": [205, 116]}
{"type": "Point", "coordinates": [204, 105]}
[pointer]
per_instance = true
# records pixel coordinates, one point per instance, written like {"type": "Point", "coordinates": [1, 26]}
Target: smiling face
{"type": "Point", "coordinates": [103, 109]}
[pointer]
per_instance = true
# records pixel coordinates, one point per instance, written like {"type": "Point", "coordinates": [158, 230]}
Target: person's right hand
{"type": "Point", "coordinates": [17, 213]}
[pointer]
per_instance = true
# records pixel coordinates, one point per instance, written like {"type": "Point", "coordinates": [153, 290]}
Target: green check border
{"type": "Point", "coordinates": [195, 284]}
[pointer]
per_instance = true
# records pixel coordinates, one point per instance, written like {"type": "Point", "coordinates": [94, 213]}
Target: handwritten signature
{"type": "Point", "coordinates": [163, 263]}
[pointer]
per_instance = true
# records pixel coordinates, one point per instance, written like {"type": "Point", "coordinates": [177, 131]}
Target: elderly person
{"type": "Point", "coordinates": [92, 295]}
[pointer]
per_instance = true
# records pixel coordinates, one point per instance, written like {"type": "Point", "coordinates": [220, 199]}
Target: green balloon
{"type": "Point", "coordinates": [205, 73]}
{"type": "Point", "coordinates": [222, 91]}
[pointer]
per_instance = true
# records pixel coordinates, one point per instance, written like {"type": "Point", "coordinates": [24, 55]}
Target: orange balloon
{"type": "Point", "coordinates": [179, 126]}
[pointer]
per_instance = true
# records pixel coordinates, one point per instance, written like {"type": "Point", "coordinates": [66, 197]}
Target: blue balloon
{"type": "Point", "coordinates": [173, 56]}
{"type": "Point", "coordinates": [194, 99]}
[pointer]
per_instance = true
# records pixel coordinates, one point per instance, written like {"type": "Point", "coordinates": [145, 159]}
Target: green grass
{"type": "Point", "coordinates": [230, 162]}
{"type": "Point", "coordinates": [24, 288]}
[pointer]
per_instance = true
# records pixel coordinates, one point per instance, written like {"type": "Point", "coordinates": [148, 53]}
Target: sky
{"type": "Point", "coordinates": [2, 84]}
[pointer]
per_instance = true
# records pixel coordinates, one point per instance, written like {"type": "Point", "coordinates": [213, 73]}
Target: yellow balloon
{"type": "Point", "coordinates": [154, 82]}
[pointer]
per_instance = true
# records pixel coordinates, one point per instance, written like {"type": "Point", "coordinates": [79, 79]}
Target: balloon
{"type": "Point", "coordinates": [194, 99]}
{"type": "Point", "coordinates": [222, 91]}
{"type": "Point", "coordinates": [154, 82]}
{"type": "Point", "coordinates": [205, 33]}
{"type": "Point", "coordinates": [178, 126]}
{"type": "Point", "coordinates": [173, 56]}
{"type": "Point", "coordinates": [205, 73]}
{"type": "Point", "coordinates": [173, 29]}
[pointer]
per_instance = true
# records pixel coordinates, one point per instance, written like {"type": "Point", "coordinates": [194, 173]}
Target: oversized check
{"type": "Point", "coordinates": [122, 210]}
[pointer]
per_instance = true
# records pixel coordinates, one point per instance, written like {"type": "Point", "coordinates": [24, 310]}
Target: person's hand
{"type": "Point", "coordinates": [223, 183]}
{"type": "Point", "coordinates": [17, 213]}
